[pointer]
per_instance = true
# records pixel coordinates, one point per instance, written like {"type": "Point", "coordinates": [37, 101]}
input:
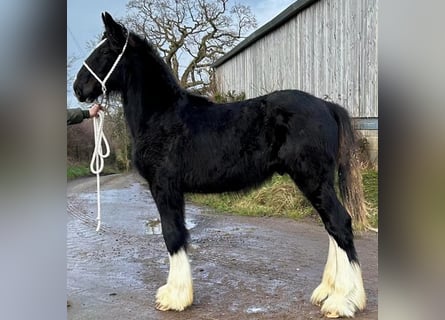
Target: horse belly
{"type": "Point", "coordinates": [225, 176]}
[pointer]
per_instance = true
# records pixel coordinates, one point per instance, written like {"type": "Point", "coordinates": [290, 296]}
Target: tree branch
{"type": "Point", "coordinates": [192, 33]}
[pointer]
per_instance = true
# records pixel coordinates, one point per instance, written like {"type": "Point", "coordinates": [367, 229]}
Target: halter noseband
{"type": "Point", "coordinates": [104, 81]}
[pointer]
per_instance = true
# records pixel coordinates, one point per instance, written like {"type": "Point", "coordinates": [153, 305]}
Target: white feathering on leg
{"type": "Point", "coordinates": [326, 286]}
{"type": "Point", "coordinates": [177, 294]}
{"type": "Point", "coordinates": [348, 295]}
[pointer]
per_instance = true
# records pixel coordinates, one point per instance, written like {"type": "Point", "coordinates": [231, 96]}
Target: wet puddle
{"type": "Point", "coordinates": [253, 310]}
{"type": "Point", "coordinates": [153, 227]}
{"type": "Point", "coordinates": [121, 209]}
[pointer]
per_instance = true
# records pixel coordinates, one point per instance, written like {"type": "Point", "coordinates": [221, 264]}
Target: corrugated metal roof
{"type": "Point", "coordinates": [273, 24]}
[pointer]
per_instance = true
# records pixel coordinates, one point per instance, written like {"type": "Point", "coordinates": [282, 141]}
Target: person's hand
{"type": "Point", "coordinates": [94, 110]}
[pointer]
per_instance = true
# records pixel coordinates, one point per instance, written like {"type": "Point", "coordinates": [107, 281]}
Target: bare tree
{"type": "Point", "coordinates": [117, 133]}
{"type": "Point", "coordinates": [191, 35]}
{"type": "Point", "coordinates": [80, 143]}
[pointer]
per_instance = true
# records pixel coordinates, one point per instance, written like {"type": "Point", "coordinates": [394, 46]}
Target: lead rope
{"type": "Point", "coordinates": [97, 160]}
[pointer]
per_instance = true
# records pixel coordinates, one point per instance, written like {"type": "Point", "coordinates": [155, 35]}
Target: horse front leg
{"type": "Point", "coordinates": [177, 293]}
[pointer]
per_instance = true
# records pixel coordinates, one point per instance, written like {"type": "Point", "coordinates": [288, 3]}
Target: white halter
{"type": "Point", "coordinates": [104, 81]}
{"type": "Point", "coordinates": [97, 160]}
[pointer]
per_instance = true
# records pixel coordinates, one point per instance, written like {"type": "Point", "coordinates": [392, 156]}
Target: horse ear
{"type": "Point", "coordinates": [113, 30]}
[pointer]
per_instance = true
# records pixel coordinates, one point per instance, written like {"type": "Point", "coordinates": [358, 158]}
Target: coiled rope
{"type": "Point", "coordinates": [97, 159]}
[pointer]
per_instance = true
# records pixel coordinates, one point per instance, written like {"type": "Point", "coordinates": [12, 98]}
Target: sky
{"type": "Point", "coordinates": [84, 25]}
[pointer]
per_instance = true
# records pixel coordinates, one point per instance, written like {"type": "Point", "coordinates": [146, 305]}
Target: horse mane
{"type": "Point", "coordinates": [197, 100]}
{"type": "Point", "coordinates": [149, 53]}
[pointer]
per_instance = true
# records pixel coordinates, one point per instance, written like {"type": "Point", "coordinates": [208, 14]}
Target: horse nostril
{"type": "Point", "coordinates": [79, 94]}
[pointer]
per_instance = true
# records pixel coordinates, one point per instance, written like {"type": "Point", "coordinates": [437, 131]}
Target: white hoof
{"type": "Point", "coordinates": [336, 306]}
{"type": "Point", "coordinates": [341, 291]}
{"type": "Point", "coordinates": [320, 294]}
{"type": "Point", "coordinates": [170, 298]}
{"type": "Point", "coordinates": [177, 294]}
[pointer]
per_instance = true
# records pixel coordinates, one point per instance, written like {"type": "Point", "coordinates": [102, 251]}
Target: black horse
{"type": "Point", "coordinates": [185, 143]}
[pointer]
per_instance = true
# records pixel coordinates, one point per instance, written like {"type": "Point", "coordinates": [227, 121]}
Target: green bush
{"type": "Point", "coordinates": [76, 171]}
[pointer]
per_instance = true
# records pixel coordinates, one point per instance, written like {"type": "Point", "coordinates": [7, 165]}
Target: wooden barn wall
{"type": "Point", "coordinates": [328, 49]}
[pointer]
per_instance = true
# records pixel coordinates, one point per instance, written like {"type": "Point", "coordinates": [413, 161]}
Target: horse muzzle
{"type": "Point", "coordinates": [86, 93]}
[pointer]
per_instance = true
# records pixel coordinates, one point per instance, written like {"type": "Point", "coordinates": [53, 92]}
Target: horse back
{"type": "Point", "coordinates": [228, 147]}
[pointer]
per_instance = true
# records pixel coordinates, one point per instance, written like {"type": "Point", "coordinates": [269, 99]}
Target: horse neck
{"type": "Point", "coordinates": [149, 88]}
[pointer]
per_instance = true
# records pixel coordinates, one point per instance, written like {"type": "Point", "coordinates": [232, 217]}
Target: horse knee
{"type": "Point", "coordinates": [171, 210]}
{"type": "Point", "coordinates": [175, 236]}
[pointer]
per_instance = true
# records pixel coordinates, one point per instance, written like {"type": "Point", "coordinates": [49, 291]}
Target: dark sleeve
{"type": "Point", "coordinates": [76, 115]}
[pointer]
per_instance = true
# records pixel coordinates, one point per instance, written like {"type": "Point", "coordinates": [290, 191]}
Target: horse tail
{"type": "Point", "coordinates": [349, 169]}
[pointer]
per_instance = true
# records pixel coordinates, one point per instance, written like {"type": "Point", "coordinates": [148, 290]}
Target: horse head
{"type": "Point", "coordinates": [102, 68]}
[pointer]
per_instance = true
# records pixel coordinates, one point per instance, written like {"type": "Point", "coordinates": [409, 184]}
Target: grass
{"type": "Point", "coordinates": [370, 188]}
{"type": "Point", "coordinates": [277, 197]}
{"type": "Point", "coordinates": [75, 171]}
{"type": "Point", "coordinates": [280, 197]}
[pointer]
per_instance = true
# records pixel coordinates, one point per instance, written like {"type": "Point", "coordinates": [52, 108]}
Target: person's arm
{"type": "Point", "coordinates": [76, 115]}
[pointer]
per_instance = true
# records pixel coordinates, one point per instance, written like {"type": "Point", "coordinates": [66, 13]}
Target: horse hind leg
{"type": "Point", "coordinates": [341, 291]}
{"type": "Point", "coordinates": [342, 283]}
{"type": "Point", "coordinates": [347, 295]}
{"type": "Point", "coordinates": [326, 287]}
{"type": "Point", "coordinates": [177, 293]}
